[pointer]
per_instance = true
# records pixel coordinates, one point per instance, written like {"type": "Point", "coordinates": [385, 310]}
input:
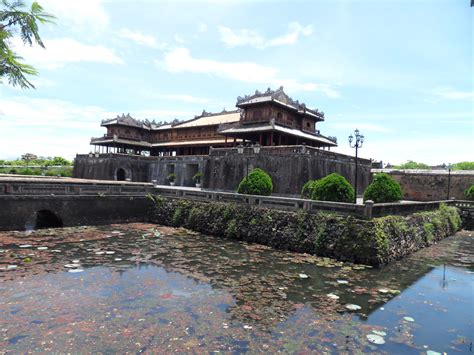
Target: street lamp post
{"type": "Point", "coordinates": [449, 181]}
{"type": "Point", "coordinates": [358, 140]}
{"type": "Point", "coordinates": [241, 150]}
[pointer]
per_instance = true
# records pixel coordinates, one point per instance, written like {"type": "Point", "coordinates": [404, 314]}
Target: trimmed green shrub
{"type": "Point", "coordinates": [308, 188]}
{"type": "Point", "coordinates": [258, 182]}
{"type": "Point", "coordinates": [197, 177]}
{"type": "Point", "coordinates": [469, 193]}
{"type": "Point", "coordinates": [333, 187]}
{"type": "Point", "coordinates": [383, 189]}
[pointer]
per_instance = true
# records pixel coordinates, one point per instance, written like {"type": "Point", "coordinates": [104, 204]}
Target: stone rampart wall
{"type": "Point", "coordinates": [431, 185]}
{"type": "Point", "coordinates": [290, 167]}
{"type": "Point", "coordinates": [373, 242]}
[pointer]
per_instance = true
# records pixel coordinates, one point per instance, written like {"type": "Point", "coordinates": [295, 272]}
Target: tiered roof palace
{"type": "Point", "coordinates": [267, 118]}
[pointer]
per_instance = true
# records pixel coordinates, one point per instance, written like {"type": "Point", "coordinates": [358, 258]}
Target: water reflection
{"type": "Point", "coordinates": [151, 288]}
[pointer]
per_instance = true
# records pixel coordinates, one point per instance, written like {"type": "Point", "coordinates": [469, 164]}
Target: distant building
{"type": "Point", "coordinates": [268, 118]}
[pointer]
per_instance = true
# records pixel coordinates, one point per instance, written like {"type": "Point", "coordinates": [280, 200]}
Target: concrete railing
{"type": "Point", "coordinates": [367, 210]}
{"type": "Point", "coordinates": [41, 186]}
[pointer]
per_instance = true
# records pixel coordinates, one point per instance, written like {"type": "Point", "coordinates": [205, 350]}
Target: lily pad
{"type": "Point", "coordinates": [71, 266]}
{"type": "Point", "coordinates": [26, 246]}
{"type": "Point", "coordinates": [353, 307]}
{"type": "Point", "coordinates": [408, 319]}
{"type": "Point", "coordinates": [75, 270]}
{"type": "Point", "coordinates": [375, 339]}
{"type": "Point", "coordinates": [303, 276]}
{"type": "Point", "coordinates": [379, 332]}
{"type": "Point", "coordinates": [42, 248]}
{"type": "Point", "coordinates": [333, 296]}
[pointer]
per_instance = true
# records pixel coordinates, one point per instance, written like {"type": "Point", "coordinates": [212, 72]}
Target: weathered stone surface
{"type": "Point", "coordinates": [289, 168]}
{"type": "Point", "coordinates": [21, 212]}
{"type": "Point", "coordinates": [373, 242]}
{"type": "Point", "coordinates": [432, 185]}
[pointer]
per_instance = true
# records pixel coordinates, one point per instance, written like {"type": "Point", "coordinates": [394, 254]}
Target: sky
{"type": "Point", "coordinates": [399, 71]}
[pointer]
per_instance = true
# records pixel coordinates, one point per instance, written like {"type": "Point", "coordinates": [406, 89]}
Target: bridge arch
{"type": "Point", "coordinates": [47, 219]}
{"type": "Point", "coordinates": [120, 174]}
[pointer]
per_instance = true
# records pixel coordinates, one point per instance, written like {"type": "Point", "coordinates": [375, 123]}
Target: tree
{"type": "Point", "coordinates": [463, 165]}
{"type": "Point", "coordinates": [14, 20]}
{"type": "Point", "coordinates": [412, 165]}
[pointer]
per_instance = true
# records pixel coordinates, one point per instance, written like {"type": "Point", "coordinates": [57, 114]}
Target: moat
{"type": "Point", "coordinates": [146, 288]}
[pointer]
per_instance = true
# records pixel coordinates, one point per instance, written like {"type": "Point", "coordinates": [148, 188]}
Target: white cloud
{"type": "Point", "coordinates": [160, 114]}
{"type": "Point", "coordinates": [179, 39]}
{"type": "Point", "coordinates": [432, 151]}
{"type": "Point", "coordinates": [369, 127]}
{"type": "Point", "coordinates": [252, 38]}
{"type": "Point", "coordinates": [141, 38]}
{"type": "Point", "coordinates": [185, 98]}
{"type": "Point", "coordinates": [86, 14]}
{"type": "Point", "coordinates": [202, 27]}
{"type": "Point", "coordinates": [60, 52]}
{"type": "Point", "coordinates": [49, 127]}
{"type": "Point", "coordinates": [30, 112]}
{"type": "Point", "coordinates": [451, 94]}
{"type": "Point", "coordinates": [180, 60]}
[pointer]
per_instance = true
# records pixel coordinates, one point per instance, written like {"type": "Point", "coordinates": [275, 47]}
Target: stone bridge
{"type": "Point", "coordinates": [37, 202]}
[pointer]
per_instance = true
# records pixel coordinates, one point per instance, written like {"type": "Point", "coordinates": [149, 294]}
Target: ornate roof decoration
{"type": "Point", "coordinates": [208, 114]}
{"type": "Point", "coordinates": [280, 96]}
{"type": "Point", "coordinates": [127, 120]}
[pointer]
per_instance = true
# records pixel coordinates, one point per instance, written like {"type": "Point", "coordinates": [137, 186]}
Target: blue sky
{"type": "Point", "coordinates": [400, 71]}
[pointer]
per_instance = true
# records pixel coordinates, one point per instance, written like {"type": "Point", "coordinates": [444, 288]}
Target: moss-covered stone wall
{"type": "Point", "coordinates": [374, 242]}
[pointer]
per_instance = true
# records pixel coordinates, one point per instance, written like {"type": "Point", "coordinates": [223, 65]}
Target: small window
{"type": "Point", "coordinates": [279, 115]}
{"type": "Point", "coordinates": [308, 124]}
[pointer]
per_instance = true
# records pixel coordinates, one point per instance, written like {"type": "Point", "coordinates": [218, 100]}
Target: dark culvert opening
{"type": "Point", "coordinates": [120, 175]}
{"type": "Point", "coordinates": [47, 219]}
